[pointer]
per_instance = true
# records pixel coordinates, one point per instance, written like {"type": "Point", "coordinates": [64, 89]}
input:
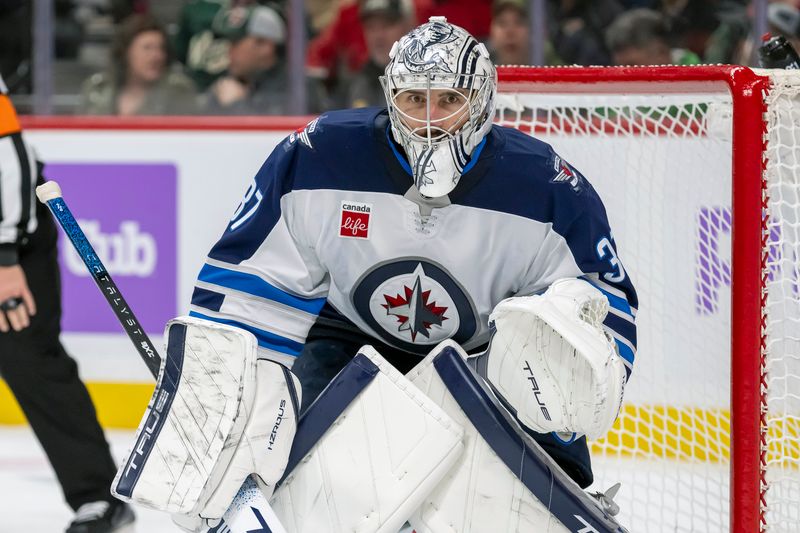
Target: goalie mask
{"type": "Point", "coordinates": [440, 89]}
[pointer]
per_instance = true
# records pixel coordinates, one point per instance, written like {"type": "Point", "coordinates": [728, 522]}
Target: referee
{"type": "Point", "coordinates": [43, 378]}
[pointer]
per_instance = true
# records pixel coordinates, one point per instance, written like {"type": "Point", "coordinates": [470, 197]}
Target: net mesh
{"type": "Point", "coordinates": [782, 361]}
{"type": "Point", "coordinates": [661, 162]}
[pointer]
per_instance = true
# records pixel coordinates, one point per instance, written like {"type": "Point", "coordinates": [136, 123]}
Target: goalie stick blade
{"type": "Point", "coordinates": [249, 512]}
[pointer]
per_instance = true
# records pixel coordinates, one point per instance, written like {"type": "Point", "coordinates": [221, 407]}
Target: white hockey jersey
{"type": "Point", "coordinates": [332, 216]}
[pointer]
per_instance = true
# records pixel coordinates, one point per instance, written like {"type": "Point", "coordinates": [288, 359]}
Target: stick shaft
{"type": "Point", "coordinates": [102, 278]}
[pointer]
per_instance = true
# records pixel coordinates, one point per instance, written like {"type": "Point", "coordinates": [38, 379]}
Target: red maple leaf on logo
{"type": "Point", "coordinates": [413, 311]}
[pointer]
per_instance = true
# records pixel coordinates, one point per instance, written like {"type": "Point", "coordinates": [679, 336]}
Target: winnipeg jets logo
{"type": "Point", "coordinates": [415, 313]}
{"type": "Point", "coordinates": [414, 304]}
{"type": "Point", "coordinates": [566, 174]}
{"type": "Point", "coordinates": [418, 55]}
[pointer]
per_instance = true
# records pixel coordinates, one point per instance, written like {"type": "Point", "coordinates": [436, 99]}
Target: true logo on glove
{"type": "Point", "coordinates": [536, 391]}
{"type": "Point", "coordinates": [354, 220]}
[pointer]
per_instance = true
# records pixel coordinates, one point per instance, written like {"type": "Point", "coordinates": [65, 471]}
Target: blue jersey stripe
{"type": "Point", "coordinates": [265, 339]}
{"type": "Point", "coordinates": [622, 327]}
{"type": "Point", "coordinates": [625, 351]}
{"type": "Point", "coordinates": [252, 284]}
{"type": "Point", "coordinates": [617, 302]}
{"type": "Point", "coordinates": [209, 299]}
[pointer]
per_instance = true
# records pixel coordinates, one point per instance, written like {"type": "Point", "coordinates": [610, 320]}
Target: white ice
{"type": "Point", "coordinates": [30, 497]}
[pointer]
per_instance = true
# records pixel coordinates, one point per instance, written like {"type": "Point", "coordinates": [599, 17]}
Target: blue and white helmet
{"type": "Point", "coordinates": [440, 55]}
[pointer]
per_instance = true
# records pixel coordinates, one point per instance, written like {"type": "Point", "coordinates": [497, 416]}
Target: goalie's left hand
{"type": "Point", "coordinates": [551, 360]}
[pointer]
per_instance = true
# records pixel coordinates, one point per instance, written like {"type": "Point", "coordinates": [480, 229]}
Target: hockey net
{"type": "Point", "coordinates": [686, 161]}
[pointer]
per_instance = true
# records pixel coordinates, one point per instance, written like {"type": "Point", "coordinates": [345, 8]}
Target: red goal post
{"type": "Point", "coordinates": [637, 134]}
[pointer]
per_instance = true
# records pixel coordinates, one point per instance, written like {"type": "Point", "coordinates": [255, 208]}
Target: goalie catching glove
{"type": "Point", "coordinates": [553, 363]}
{"type": "Point", "coordinates": [218, 414]}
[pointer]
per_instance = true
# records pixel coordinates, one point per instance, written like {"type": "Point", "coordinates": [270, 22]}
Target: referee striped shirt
{"type": "Point", "coordinates": [18, 174]}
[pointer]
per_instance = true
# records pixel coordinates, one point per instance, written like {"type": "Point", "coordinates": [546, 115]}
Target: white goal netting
{"type": "Point", "coordinates": [660, 156]}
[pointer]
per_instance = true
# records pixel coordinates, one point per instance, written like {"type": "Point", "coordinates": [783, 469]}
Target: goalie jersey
{"type": "Point", "coordinates": [332, 224]}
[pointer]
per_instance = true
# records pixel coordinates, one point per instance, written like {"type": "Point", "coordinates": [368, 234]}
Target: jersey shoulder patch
{"type": "Point", "coordinates": [566, 174]}
{"type": "Point", "coordinates": [333, 129]}
{"type": "Point", "coordinates": [303, 134]}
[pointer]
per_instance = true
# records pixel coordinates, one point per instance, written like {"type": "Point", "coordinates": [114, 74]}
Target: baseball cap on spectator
{"type": "Point", "coordinates": [519, 5]}
{"type": "Point", "coordinates": [393, 10]}
{"type": "Point", "coordinates": [243, 21]}
{"type": "Point", "coordinates": [784, 18]}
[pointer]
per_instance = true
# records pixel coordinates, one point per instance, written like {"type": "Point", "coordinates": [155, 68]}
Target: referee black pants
{"type": "Point", "coordinates": [44, 380]}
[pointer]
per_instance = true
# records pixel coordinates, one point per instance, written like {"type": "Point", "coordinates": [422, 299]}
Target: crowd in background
{"type": "Point", "coordinates": [228, 57]}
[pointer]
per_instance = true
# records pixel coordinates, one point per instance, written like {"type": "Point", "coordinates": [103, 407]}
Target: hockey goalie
{"type": "Point", "coordinates": [438, 299]}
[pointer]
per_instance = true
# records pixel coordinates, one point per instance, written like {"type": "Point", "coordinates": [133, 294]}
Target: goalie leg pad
{"type": "Point", "coordinates": [217, 414]}
{"type": "Point", "coordinates": [503, 477]}
{"type": "Point", "coordinates": [366, 453]}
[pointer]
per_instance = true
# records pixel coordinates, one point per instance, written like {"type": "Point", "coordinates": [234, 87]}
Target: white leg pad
{"type": "Point", "coordinates": [377, 461]}
{"type": "Point", "coordinates": [481, 493]}
{"type": "Point", "coordinates": [217, 414]}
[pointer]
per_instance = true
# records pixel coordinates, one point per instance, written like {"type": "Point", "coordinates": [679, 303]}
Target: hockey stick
{"type": "Point", "coordinates": [50, 195]}
{"type": "Point", "coordinates": [236, 519]}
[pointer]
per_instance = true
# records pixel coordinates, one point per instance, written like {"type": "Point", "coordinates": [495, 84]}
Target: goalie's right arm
{"type": "Point", "coordinates": [261, 275]}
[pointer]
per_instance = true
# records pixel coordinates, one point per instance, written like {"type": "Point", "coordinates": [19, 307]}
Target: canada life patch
{"type": "Point", "coordinates": [354, 220]}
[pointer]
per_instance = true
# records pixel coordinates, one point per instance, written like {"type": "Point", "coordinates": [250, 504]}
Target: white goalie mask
{"type": "Point", "coordinates": [440, 89]}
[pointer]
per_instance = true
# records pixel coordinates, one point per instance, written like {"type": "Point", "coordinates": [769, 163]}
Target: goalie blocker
{"type": "Point", "coordinates": [217, 414]}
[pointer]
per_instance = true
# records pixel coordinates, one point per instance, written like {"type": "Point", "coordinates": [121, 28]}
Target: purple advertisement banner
{"type": "Point", "coordinates": [129, 214]}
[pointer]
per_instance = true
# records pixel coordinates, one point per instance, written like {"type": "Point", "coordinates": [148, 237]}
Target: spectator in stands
{"type": "Point", "coordinates": [693, 22]}
{"type": "Point", "coordinates": [475, 16]}
{"type": "Point", "coordinates": [140, 80]}
{"type": "Point", "coordinates": [256, 81]}
{"type": "Point", "coordinates": [334, 56]}
{"type": "Point", "coordinates": [204, 53]}
{"type": "Point", "coordinates": [384, 22]}
{"type": "Point", "coordinates": [642, 37]}
{"type": "Point", "coordinates": [509, 35]}
{"type": "Point", "coordinates": [321, 14]}
{"type": "Point", "coordinates": [578, 36]}
{"type": "Point", "coordinates": [727, 43]}
{"type": "Point", "coordinates": [16, 18]}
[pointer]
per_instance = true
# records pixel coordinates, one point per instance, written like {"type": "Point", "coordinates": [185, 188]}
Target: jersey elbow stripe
{"type": "Point", "coordinates": [208, 299]}
{"type": "Point", "coordinates": [617, 302]}
{"type": "Point", "coordinates": [625, 351]}
{"type": "Point", "coordinates": [258, 309]}
{"type": "Point", "coordinates": [252, 284]}
{"type": "Point", "coordinates": [265, 339]}
{"type": "Point", "coordinates": [623, 316]}
{"type": "Point", "coordinates": [621, 328]}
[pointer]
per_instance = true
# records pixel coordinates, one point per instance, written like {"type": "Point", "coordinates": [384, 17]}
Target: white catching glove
{"type": "Point", "coordinates": [553, 362]}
